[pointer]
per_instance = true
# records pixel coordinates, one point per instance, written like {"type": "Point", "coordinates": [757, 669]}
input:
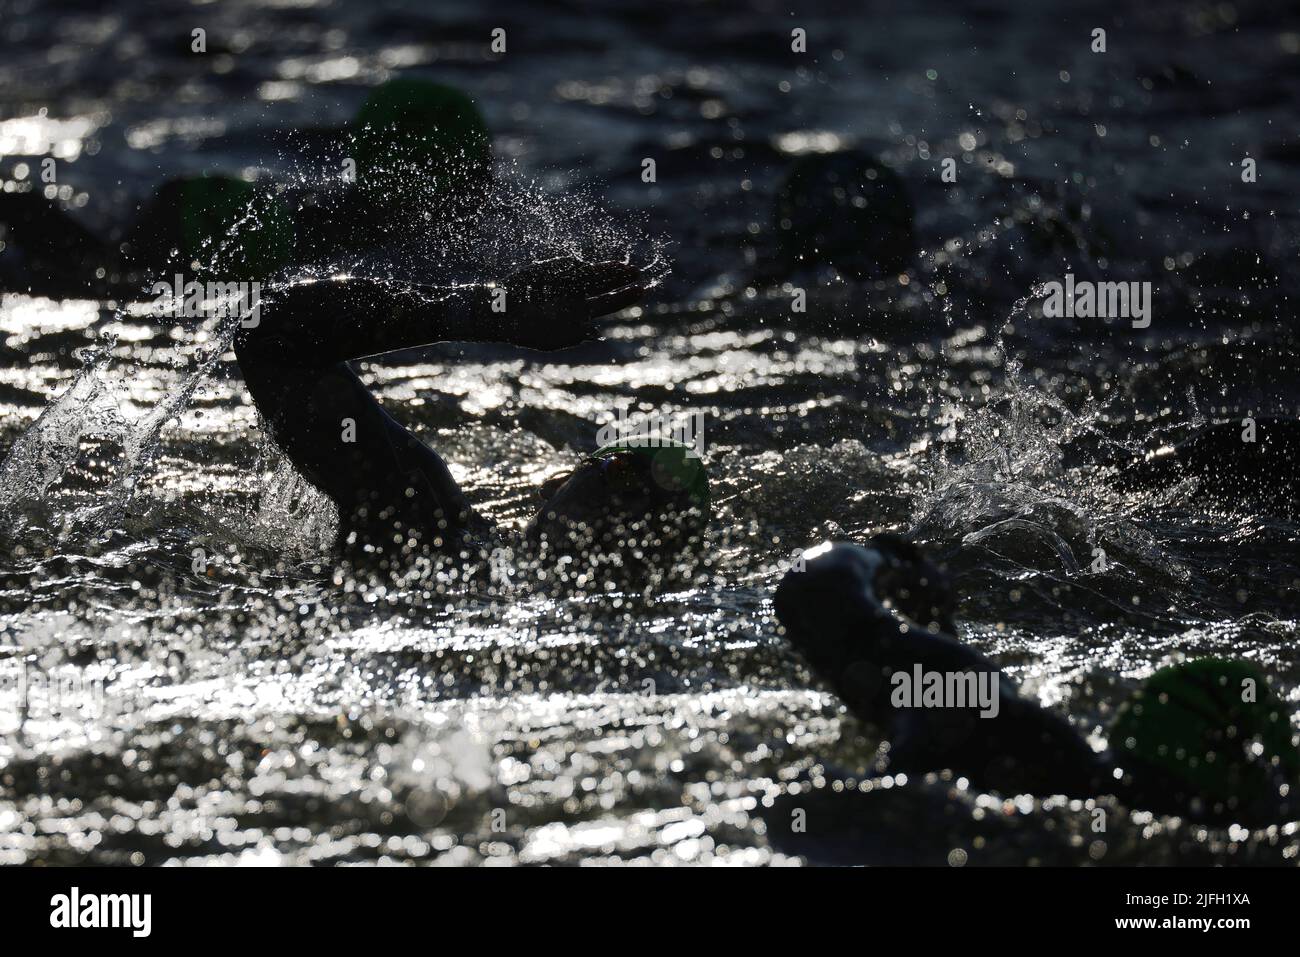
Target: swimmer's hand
{"type": "Point", "coordinates": [552, 304]}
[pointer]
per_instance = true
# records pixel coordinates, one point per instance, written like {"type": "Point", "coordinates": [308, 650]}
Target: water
{"type": "Point", "coordinates": [261, 704]}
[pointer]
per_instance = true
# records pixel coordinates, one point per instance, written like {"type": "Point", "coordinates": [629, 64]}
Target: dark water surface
{"type": "Point", "coordinates": [274, 709]}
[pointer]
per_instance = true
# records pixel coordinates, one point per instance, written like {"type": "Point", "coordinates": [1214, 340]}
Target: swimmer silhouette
{"type": "Point", "coordinates": [1182, 745]}
{"type": "Point", "coordinates": [847, 210]}
{"type": "Point", "coordinates": [836, 614]}
{"type": "Point", "coordinates": [395, 495]}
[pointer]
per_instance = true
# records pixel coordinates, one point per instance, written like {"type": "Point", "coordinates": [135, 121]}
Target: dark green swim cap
{"type": "Point", "coordinates": [1213, 724]}
{"type": "Point", "coordinates": [234, 230]}
{"type": "Point", "coordinates": [848, 210]}
{"type": "Point", "coordinates": [671, 469]}
{"type": "Point", "coordinates": [410, 130]}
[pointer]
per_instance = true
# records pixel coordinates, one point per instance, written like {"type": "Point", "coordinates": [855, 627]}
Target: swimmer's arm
{"type": "Point", "coordinates": [547, 306]}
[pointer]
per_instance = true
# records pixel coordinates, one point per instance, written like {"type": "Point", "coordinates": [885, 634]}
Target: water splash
{"type": "Point", "coordinates": [1003, 480]}
{"type": "Point", "coordinates": [45, 452]}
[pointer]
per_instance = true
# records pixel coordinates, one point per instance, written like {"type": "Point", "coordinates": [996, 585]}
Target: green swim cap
{"type": "Point", "coordinates": [671, 469]}
{"type": "Point", "coordinates": [1190, 721]}
{"type": "Point", "coordinates": [410, 130]}
{"type": "Point", "coordinates": [233, 229]}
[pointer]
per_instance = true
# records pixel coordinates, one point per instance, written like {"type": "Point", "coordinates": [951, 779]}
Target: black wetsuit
{"type": "Point", "coordinates": [833, 612]}
{"type": "Point", "coordinates": [860, 615]}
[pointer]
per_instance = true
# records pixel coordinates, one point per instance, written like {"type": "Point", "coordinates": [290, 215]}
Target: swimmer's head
{"type": "Point", "coordinates": [1212, 735]}
{"type": "Point", "coordinates": [628, 506]}
{"type": "Point", "coordinates": [418, 141]}
{"type": "Point", "coordinates": [231, 228]}
{"type": "Point", "coordinates": [844, 592]}
{"type": "Point", "coordinates": [848, 210]}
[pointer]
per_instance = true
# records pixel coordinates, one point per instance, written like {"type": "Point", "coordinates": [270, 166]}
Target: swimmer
{"type": "Point", "coordinates": [847, 210]}
{"type": "Point", "coordinates": [395, 495]}
{"type": "Point", "coordinates": [859, 615]}
{"type": "Point", "coordinates": [1182, 745]}
{"type": "Point", "coordinates": [232, 229]}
